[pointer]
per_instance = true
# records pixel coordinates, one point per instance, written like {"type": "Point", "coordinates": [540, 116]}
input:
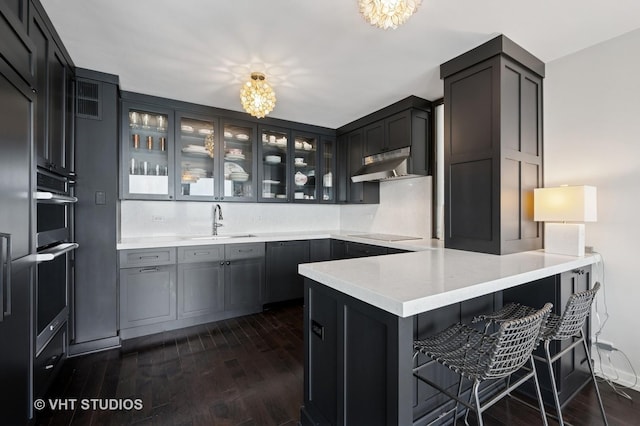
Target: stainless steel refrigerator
{"type": "Point", "coordinates": [17, 263]}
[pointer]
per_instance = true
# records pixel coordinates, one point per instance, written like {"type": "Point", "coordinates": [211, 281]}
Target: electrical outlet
{"type": "Point", "coordinates": [605, 346]}
{"type": "Point", "coordinates": [157, 218]}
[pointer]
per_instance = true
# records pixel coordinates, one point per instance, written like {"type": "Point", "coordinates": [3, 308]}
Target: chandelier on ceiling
{"type": "Point", "coordinates": [257, 97]}
{"type": "Point", "coordinates": [388, 13]}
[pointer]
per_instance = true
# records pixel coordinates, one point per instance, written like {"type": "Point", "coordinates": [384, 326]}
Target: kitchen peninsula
{"type": "Point", "coordinates": [361, 316]}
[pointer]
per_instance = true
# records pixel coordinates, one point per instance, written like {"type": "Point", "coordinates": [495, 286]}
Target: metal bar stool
{"type": "Point", "coordinates": [479, 356]}
{"type": "Point", "coordinates": [569, 325]}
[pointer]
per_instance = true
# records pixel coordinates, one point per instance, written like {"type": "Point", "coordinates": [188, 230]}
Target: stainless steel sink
{"type": "Point", "coordinates": [221, 237]}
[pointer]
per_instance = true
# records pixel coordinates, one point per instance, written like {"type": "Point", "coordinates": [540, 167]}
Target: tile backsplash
{"type": "Point", "coordinates": [405, 208]}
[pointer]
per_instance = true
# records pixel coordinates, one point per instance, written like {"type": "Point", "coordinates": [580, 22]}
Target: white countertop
{"type": "Point", "coordinates": [411, 283]}
{"type": "Point", "coordinates": [194, 240]}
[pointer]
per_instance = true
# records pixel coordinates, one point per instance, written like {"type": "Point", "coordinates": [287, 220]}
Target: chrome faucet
{"type": "Point", "coordinates": [217, 225]}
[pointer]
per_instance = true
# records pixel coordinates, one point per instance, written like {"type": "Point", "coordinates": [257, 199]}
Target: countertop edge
{"type": "Point", "coordinates": [187, 241]}
{"type": "Point", "coordinates": [419, 305]}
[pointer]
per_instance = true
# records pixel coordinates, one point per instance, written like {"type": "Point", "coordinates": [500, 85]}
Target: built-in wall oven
{"type": "Point", "coordinates": [55, 201]}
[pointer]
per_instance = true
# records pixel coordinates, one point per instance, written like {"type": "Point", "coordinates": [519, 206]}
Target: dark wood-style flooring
{"type": "Point", "coordinates": [242, 371]}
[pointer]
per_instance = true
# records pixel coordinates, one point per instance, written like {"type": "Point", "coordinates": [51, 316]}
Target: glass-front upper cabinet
{"type": "Point", "coordinates": [196, 153]}
{"type": "Point", "coordinates": [147, 153]}
{"type": "Point", "coordinates": [328, 168]}
{"type": "Point", "coordinates": [306, 173]}
{"type": "Point", "coordinates": [239, 143]}
{"type": "Point", "coordinates": [273, 164]}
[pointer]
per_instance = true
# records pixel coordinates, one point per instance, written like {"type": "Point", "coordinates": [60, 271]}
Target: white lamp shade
{"type": "Point", "coordinates": [565, 204]}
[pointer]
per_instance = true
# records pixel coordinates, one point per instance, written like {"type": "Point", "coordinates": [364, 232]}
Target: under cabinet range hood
{"type": "Point", "coordinates": [387, 165]}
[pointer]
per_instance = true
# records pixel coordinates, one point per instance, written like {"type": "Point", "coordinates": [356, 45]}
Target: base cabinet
{"type": "Point", "coordinates": [243, 284]}
{"type": "Point", "coordinates": [200, 289]}
{"type": "Point", "coordinates": [283, 281]}
{"type": "Point", "coordinates": [169, 288]}
{"type": "Point", "coordinates": [147, 295]}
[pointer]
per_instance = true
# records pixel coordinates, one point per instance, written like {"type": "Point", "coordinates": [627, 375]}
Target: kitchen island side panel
{"type": "Point", "coordinates": [365, 351]}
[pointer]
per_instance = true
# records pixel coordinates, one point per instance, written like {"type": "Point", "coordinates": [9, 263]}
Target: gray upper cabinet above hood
{"type": "Point", "coordinates": [396, 147]}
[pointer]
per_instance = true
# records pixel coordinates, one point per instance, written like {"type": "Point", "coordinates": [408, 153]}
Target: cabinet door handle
{"type": "Point", "coordinates": [5, 278]}
{"type": "Point", "coordinates": [149, 257]}
{"type": "Point", "coordinates": [228, 263]}
{"type": "Point", "coordinates": [245, 250]}
{"type": "Point", "coordinates": [149, 269]}
{"type": "Point", "coordinates": [221, 263]}
{"type": "Point", "coordinates": [201, 253]}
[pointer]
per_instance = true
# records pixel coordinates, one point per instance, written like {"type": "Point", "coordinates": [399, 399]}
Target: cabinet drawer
{"type": "Point", "coordinates": [147, 257]}
{"type": "Point", "coordinates": [244, 251]}
{"type": "Point", "coordinates": [201, 254]}
{"type": "Point", "coordinates": [47, 362]}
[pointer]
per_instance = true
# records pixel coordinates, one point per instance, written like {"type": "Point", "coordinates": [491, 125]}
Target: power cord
{"type": "Point", "coordinates": [611, 381]}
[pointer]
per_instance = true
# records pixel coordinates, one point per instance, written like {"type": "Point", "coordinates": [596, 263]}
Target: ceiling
{"type": "Point", "coordinates": [326, 64]}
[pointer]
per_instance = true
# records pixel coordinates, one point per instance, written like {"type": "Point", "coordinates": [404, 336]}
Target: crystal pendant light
{"type": "Point", "coordinates": [257, 97]}
{"type": "Point", "coordinates": [388, 13]}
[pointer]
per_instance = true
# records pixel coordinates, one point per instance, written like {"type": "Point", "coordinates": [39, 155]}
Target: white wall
{"type": "Point", "coordinates": [405, 209]}
{"type": "Point", "coordinates": [592, 136]}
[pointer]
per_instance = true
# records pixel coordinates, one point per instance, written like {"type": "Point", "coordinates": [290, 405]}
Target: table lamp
{"type": "Point", "coordinates": [559, 205]}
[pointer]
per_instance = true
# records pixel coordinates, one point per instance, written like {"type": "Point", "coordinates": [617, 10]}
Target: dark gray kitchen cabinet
{"type": "Point", "coordinates": [147, 287]}
{"type": "Point", "coordinates": [493, 148]}
{"type": "Point", "coordinates": [341, 249]}
{"type": "Point", "coordinates": [283, 281]}
{"type": "Point", "coordinates": [17, 11]}
{"type": "Point", "coordinates": [374, 140]}
{"type": "Point", "coordinates": [146, 152]}
{"type": "Point", "coordinates": [94, 309]}
{"type": "Point", "coordinates": [244, 277]}
{"type": "Point", "coordinates": [54, 118]}
{"type": "Point", "coordinates": [147, 295]}
{"type": "Point", "coordinates": [17, 49]}
{"type": "Point", "coordinates": [359, 192]}
{"type": "Point", "coordinates": [200, 280]}
{"type": "Point", "coordinates": [200, 289]}
{"type": "Point", "coordinates": [354, 250]}
{"type": "Point", "coordinates": [320, 250]}
{"type": "Point", "coordinates": [338, 249]}
{"type": "Point", "coordinates": [386, 135]}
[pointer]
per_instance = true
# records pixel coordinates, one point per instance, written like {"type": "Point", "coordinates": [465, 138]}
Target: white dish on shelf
{"type": "Point", "coordinates": [195, 151]}
{"type": "Point", "coordinates": [271, 182]}
{"type": "Point", "coordinates": [186, 129]}
{"type": "Point", "coordinates": [242, 137]}
{"type": "Point", "coordinates": [232, 167]}
{"type": "Point", "coordinates": [228, 134]}
{"type": "Point", "coordinates": [268, 195]}
{"type": "Point", "coordinates": [281, 196]}
{"type": "Point", "coordinates": [205, 132]}
{"type": "Point", "coordinates": [239, 177]}
{"type": "Point", "coordinates": [234, 157]}
{"type": "Point", "coordinates": [272, 159]}
{"type": "Point", "coordinates": [300, 164]}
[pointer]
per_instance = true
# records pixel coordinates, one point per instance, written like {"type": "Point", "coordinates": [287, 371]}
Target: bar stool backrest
{"type": "Point", "coordinates": [515, 341]}
{"type": "Point", "coordinates": [570, 323]}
